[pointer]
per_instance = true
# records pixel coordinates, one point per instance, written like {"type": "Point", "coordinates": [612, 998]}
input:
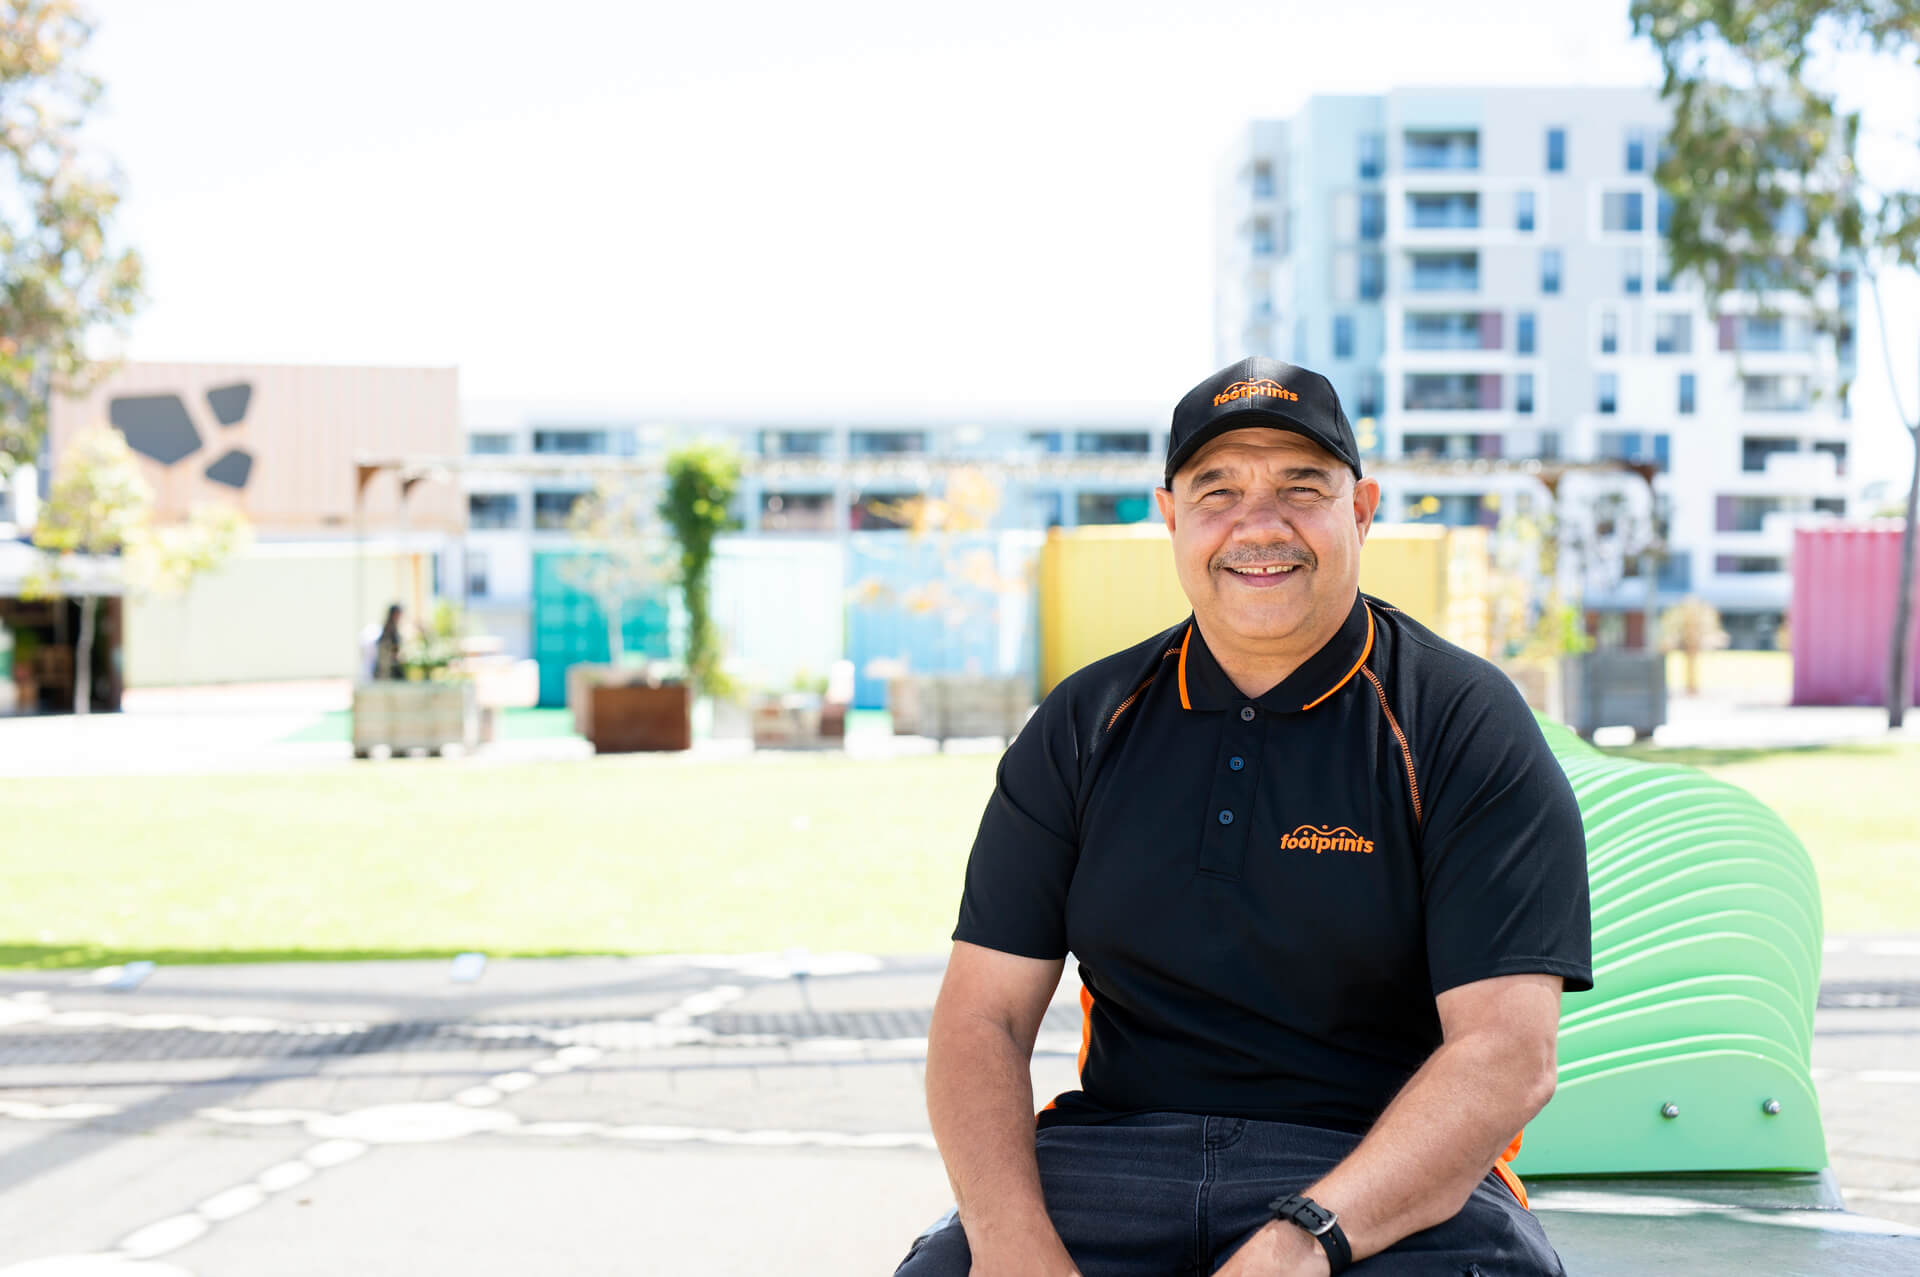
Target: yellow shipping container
{"type": "Point", "coordinates": [1106, 588]}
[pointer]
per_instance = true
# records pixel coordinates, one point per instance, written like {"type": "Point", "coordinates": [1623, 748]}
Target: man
{"type": "Point", "coordinates": [1325, 884]}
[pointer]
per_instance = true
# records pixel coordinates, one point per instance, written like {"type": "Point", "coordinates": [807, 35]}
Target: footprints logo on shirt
{"type": "Point", "coordinates": [1318, 839]}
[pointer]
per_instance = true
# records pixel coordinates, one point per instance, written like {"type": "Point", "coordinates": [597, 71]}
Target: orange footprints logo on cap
{"type": "Point", "coordinates": [1317, 839]}
{"type": "Point", "coordinates": [1248, 389]}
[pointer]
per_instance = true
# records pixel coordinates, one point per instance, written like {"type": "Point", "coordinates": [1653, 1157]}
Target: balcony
{"type": "Point", "coordinates": [1452, 392]}
{"type": "Point", "coordinates": [1451, 330]}
{"type": "Point", "coordinates": [1440, 211]}
{"type": "Point", "coordinates": [1444, 273]}
{"type": "Point", "coordinates": [1430, 151]}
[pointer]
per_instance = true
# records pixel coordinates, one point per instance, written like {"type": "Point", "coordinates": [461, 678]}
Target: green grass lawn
{"type": "Point", "coordinates": [648, 854]}
{"type": "Point", "coordinates": [415, 858]}
{"type": "Point", "coordinates": [1857, 809]}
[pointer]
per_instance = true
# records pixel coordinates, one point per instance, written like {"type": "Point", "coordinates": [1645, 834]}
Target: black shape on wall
{"type": "Point", "coordinates": [229, 403]}
{"type": "Point", "coordinates": [156, 426]}
{"type": "Point", "coordinates": [232, 469]}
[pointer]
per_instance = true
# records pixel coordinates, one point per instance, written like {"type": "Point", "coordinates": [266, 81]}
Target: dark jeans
{"type": "Point", "coordinates": [1171, 1194]}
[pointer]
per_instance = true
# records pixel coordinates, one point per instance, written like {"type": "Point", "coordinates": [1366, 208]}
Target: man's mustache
{"type": "Point", "coordinates": [1267, 556]}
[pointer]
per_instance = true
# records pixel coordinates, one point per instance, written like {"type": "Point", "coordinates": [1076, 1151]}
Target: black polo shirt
{"type": "Point", "coordinates": [1266, 894]}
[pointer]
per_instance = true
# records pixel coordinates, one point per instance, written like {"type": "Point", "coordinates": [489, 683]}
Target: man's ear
{"type": "Point", "coordinates": [1165, 498]}
{"type": "Point", "coordinates": [1366, 502]}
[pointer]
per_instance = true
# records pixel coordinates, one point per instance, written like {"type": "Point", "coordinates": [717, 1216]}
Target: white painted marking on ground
{"type": "Point", "coordinates": [478, 1097]}
{"type": "Point", "coordinates": [331, 1153]}
{"type": "Point", "coordinates": [549, 1068]}
{"type": "Point", "coordinates": [508, 1083]}
{"type": "Point", "coordinates": [28, 1111]}
{"type": "Point", "coordinates": [92, 1266]}
{"type": "Point", "coordinates": [1894, 948]}
{"type": "Point", "coordinates": [411, 1123]}
{"type": "Point", "coordinates": [1894, 1077]}
{"type": "Point", "coordinates": [169, 1234]}
{"type": "Point", "coordinates": [234, 1201]}
{"type": "Point", "coordinates": [260, 1117]}
{"type": "Point", "coordinates": [279, 1178]}
{"type": "Point", "coordinates": [21, 1009]}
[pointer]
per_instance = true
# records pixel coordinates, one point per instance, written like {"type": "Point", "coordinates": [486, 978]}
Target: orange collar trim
{"type": "Point", "coordinates": [1184, 640]}
{"type": "Point", "coordinates": [1364, 653]}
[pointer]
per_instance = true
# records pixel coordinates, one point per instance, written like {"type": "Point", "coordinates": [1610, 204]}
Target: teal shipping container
{"type": "Point", "coordinates": [569, 626]}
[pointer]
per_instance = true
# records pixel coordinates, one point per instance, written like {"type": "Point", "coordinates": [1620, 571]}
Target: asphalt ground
{"type": "Point", "coordinates": [757, 1113]}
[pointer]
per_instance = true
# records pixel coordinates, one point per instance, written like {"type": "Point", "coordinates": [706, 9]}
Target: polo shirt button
{"type": "Point", "coordinates": [1226, 818]}
{"type": "Point", "coordinates": [1246, 713]}
{"type": "Point", "coordinates": [1236, 762]}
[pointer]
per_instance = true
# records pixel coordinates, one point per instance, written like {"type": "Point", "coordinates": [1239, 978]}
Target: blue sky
{"type": "Point", "coordinates": [744, 205]}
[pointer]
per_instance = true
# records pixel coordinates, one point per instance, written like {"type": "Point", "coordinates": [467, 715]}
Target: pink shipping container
{"type": "Point", "coordinates": [1842, 617]}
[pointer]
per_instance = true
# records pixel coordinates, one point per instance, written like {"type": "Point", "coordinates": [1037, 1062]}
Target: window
{"type": "Point", "coordinates": [1523, 393]}
{"type": "Point", "coordinates": [1262, 180]}
{"type": "Point", "coordinates": [476, 574]}
{"type": "Point", "coordinates": [1372, 151]}
{"type": "Point", "coordinates": [1372, 282]}
{"type": "Point", "coordinates": [1836, 506]}
{"type": "Point", "coordinates": [1747, 564]}
{"type": "Point", "coordinates": [793, 443]}
{"type": "Point", "coordinates": [1523, 210]}
{"type": "Point", "coordinates": [1673, 333]}
{"type": "Point", "coordinates": [1442, 149]}
{"type": "Point", "coordinates": [1606, 391]}
{"type": "Point", "coordinates": [1262, 237]}
{"type": "Point", "coordinates": [570, 443]}
{"type": "Point", "coordinates": [1453, 509]}
{"type": "Point", "coordinates": [1837, 450]}
{"type": "Point", "coordinates": [876, 511]}
{"type": "Point", "coordinates": [489, 445]}
{"type": "Point", "coordinates": [1663, 279]}
{"type": "Point", "coordinates": [1367, 403]}
{"type": "Point", "coordinates": [1343, 336]}
{"type": "Point", "coordinates": [1111, 507]}
{"type": "Point", "coordinates": [1523, 333]}
{"type": "Point", "coordinates": [1556, 150]}
{"type": "Point", "coordinates": [1744, 514]}
{"type": "Point", "coordinates": [492, 510]}
{"type": "Point", "coordinates": [1437, 210]}
{"type": "Point", "coordinates": [886, 443]}
{"type": "Point", "coordinates": [1046, 440]}
{"type": "Point", "coordinates": [1446, 272]}
{"type": "Point", "coordinates": [1112, 441]}
{"type": "Point", "coordinates": [1636, 150]}
{"type": "Point", "coordinates": [1635, 446]}
{"type": "Point", "coordinates": [1774, 393]}
{"type": "Point", "coordinates": [1549, 270]}
{"type": "Point", "coordinates": [1755, 449]}
{"type": "Point", "coordinates": [1663, 214]}
{"type": "Point", "coordinates": [1609, 332]}
{"type": "Point", "coordinates": [1632, 271]}
{"type": "Point", "coordinates": [1620, 211]}
{"type": "Point", "coordinates": [1767, 333]}
{"type": "Point", "coordinates": [1373, 215]}
{"type": "Point", "coordinates": [550, 510]}
{"type": "Point", "coordinates": [1442, 330]}
{"type": "Point", "coordinates": [1451, 392]}
{"type": "Point", "coordinates": [796, 512]}
{"type": "Point", "coordinates": [1686, 394]}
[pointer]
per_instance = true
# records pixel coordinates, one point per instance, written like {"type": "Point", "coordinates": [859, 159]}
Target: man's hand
{"type": "Point", "coordinates": [1277, 1250]}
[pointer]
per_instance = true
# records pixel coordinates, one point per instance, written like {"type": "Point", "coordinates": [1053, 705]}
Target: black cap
{"type": "Point", "coordinates": [1261, 392]}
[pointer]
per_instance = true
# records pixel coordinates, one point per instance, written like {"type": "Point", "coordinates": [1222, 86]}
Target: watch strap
{"type": "Point", "coordinates": [1320, 1223]}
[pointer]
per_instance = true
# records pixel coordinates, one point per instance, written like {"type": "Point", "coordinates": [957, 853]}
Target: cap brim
{"type": "Point", "coordinates": [1253, 418]}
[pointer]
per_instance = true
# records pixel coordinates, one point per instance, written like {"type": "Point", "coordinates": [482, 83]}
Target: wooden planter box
{"type": "Point", "coordinates": [415, 715]}
{"type": "Point", "coordinates": [949, 706]}
{"type": "Point", "coordinates": [628, 718]}
{"type": "Point", "coordinates": [786, 722]}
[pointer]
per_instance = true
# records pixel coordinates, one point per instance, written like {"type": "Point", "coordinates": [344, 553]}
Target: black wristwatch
{"type": "Point", "coordinates": [1320, 1222]}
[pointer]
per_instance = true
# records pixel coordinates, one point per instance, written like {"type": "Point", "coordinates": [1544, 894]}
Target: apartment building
{"type": "Point", "coordinates": [1481, 274]}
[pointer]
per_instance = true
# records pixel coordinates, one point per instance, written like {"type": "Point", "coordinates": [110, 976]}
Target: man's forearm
{"type": "Point", "coordinates": [1436, 1141]}
{"type": "Point", "coordinates": [980, 1101]}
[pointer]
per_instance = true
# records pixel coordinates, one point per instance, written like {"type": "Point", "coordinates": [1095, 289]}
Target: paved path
{"type": "Point", "coordinates": [585, 1116]}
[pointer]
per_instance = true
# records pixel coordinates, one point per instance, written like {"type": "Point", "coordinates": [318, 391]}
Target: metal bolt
{"type": "Point", "coordinates": [1771, 1108]}
{"type": "Point", "coordinates": [1669, 1110]}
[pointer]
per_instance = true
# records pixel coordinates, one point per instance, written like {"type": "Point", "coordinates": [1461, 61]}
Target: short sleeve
{"type": "Point", "coordinates": [1023, 857]}
{"type": "Point", "coordinates": [1503, 851]}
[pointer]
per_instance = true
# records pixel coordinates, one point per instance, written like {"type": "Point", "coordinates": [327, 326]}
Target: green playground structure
{"type": "Point", "coordinates": [1691, 1052]}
